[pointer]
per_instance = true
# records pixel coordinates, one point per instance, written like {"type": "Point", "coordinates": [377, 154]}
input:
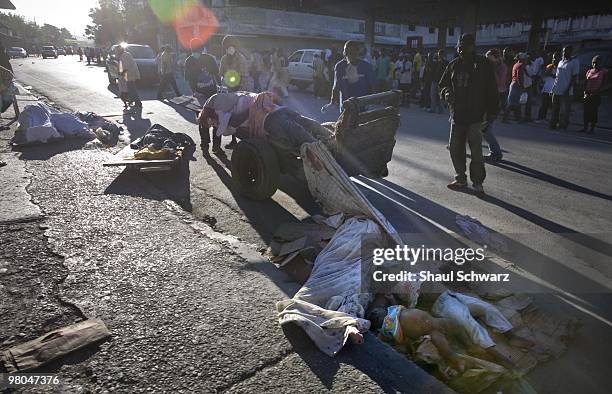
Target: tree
{"type": "Point", "coordinates": [65, 34]}
{"type": "Point", "coordinates": [114, 21]}
{"type": "Point", "coordinates": [50, 34]}
{"type": "Point", "coordinates": [33, 33]}
{"type": "Point", "coordinates": [140, 21]}
{"type": "Point", "coordinates": [108, 23]}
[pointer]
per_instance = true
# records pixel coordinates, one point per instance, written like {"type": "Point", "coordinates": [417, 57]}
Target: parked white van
{"type": "Point", "coordinates": [300, 67]}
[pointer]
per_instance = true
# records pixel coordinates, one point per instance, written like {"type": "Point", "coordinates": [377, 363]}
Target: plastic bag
{"type": "Point", "coordinates": [481, 375]}
{"type": "Point", "coordinates": [70, 125]}
{"type": "Point", "coordinates": [489, 313]}
{"type": "Point", "coordinates": [337, 269]}
{"type": "Point", "coordinates": [35, 125]}
{"type": "Point", "coordinates": [449, 306]}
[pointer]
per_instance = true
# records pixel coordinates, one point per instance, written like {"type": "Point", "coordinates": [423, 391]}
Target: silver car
{"type": "Point", "coordinates": [15, 52]}
{"type": "Point", "coordinates": [48, 51]}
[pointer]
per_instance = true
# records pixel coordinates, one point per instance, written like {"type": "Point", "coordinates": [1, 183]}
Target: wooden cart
{"type": "Point", "coordinates": [362, 142]}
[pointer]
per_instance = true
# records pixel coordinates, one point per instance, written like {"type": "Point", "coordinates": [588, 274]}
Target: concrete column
{"type": "Point", "coordinates": [369, 34]}
{"type": "Point", "coordinates": [470, 17]}
{"type": "Point", "coordinates": [533, 44]}
{"type": "Point", "coordinates": [442, 32]}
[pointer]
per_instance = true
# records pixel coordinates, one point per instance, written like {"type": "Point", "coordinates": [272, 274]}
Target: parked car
{"type": "Point", "coordinates": [144, 56]}
{"type": "Point", "coordinates": [61, 51]}
{"type": "Point", "coordinates": [300, 67]}
{"type": "Point", "coordinates": [16, 52]}
{"type": "Point", "coordinates": [48, 51]}
{"type": "Point", "coordinates": [69, 51]}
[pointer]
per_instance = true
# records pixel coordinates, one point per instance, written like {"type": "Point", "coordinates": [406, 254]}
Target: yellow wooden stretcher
{"type": "Point", "coordinates": [125, 157]}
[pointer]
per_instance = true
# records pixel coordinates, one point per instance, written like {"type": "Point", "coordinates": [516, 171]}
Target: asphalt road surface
{"type": "Point", "coordinates": [550, 200]}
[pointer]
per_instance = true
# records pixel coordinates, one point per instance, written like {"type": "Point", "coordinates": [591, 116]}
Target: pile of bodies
{"type": "Point", "coordinates": [40, 123]}
{"type": "Point", "coordinates": [474, 342]}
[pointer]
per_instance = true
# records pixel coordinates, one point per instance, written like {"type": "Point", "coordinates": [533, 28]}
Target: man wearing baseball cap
{"type": "Point", "coordinates": [468, 85]}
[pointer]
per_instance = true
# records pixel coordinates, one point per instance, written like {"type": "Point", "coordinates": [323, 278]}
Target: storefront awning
{"type": "Point", "coordinates": [6, 5]}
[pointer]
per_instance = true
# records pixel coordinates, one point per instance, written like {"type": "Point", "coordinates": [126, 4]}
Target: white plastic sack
{"type": "Point", "coordinates": [69, 125]}
{"type": "Point", "coordinates": [329, 307]}
{"type": "Point", "coordinates": [455, 306]}
{"type": "Point", "coordinates": [489, 313]}
{"type": "Point", "coordinates": [337, 269]}
{"type": "Point", "coordinates": [35, 125]}
{"type": "Point", "coordinates": [33, 115]}
{"type": "Point", "coordinates": [329, 330]}
{"type": "Point", "coordinates": [36, 134]}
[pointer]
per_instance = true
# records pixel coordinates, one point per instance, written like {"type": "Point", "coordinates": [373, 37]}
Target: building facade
{"type": "Point", "coordinates": [263, 29]}
{"type": "Point", "coordinates": [293, 30]}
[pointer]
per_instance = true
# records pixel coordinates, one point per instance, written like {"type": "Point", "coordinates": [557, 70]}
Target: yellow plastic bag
{"type": "Point", "coordinates": [147, 153]}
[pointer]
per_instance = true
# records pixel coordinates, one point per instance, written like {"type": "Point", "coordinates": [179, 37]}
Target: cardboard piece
{"type": "Point", "coordinates": [54, 344]}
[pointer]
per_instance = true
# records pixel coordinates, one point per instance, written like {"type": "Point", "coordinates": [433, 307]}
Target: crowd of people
{"type": "Point", "coordinates": [476, 89]}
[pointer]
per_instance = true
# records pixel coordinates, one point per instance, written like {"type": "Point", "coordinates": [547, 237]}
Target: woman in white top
{"type": "Point", "coordinates": [548, 78]}
{"type": "Point", "coordinates": [405, 79]}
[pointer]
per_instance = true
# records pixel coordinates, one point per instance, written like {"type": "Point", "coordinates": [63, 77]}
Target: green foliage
{"type": "Point", "coordinates": [114, 21]}
{"type": "Point", "coordinates": [34, 33]}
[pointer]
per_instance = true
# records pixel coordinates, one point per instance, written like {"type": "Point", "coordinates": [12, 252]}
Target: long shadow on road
{"type": "Point", "coordinates": [47, 151]}
{"type": "Point", "coordinates": [524, 170]}
{"type": "Point", "coordinates": [414, 214]}
{"type": "Point", "coordinates": [392, 371]}
{"type": "Point", "coordinates": [263, 216]}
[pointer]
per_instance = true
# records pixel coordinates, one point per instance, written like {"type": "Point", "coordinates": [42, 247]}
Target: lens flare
{"type": "Point", "coordinates": [192, 21]}
{"type": "Point", "coordinates": [231, 78]}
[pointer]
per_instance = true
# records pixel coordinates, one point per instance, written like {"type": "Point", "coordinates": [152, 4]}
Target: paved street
{"type": "Point", "coordinates": [553, 188]}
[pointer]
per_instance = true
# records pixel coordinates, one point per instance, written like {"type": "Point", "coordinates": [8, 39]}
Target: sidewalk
{"type": "Point", "coordinates": [604, 116]}
{"type": "Point", "coordinates": [186, 313]}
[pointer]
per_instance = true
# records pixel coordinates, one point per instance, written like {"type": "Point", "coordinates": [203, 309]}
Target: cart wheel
{"type": "Point", "coordinates": [255, 169]}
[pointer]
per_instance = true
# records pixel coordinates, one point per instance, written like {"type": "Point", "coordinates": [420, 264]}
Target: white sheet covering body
{"type": "Point", "coordinates": [39, 123]}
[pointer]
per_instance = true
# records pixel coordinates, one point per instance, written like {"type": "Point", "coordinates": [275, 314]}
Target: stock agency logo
{"type": "Point", "coordinates": [398, 264]}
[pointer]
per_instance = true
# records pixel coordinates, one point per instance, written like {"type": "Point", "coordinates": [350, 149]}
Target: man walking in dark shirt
{"type": "Point", "coordinates": [468, 86]}
{"type": "Point", "coordinates": [202, 73]}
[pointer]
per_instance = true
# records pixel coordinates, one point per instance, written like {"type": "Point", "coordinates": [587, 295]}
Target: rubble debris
{"type": "Point", "coordinates": [461, 308]}
{"type": "Point", "coordinates": [293, 246]}
{"type": "Point", "coordinates": [516, 333]}
{"type": "Point", "coordinates": [287, 232]}
{"type": "Point", "coordinates": [54, 344]}
{"type": "Point", "coordinates": [297, 266]}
